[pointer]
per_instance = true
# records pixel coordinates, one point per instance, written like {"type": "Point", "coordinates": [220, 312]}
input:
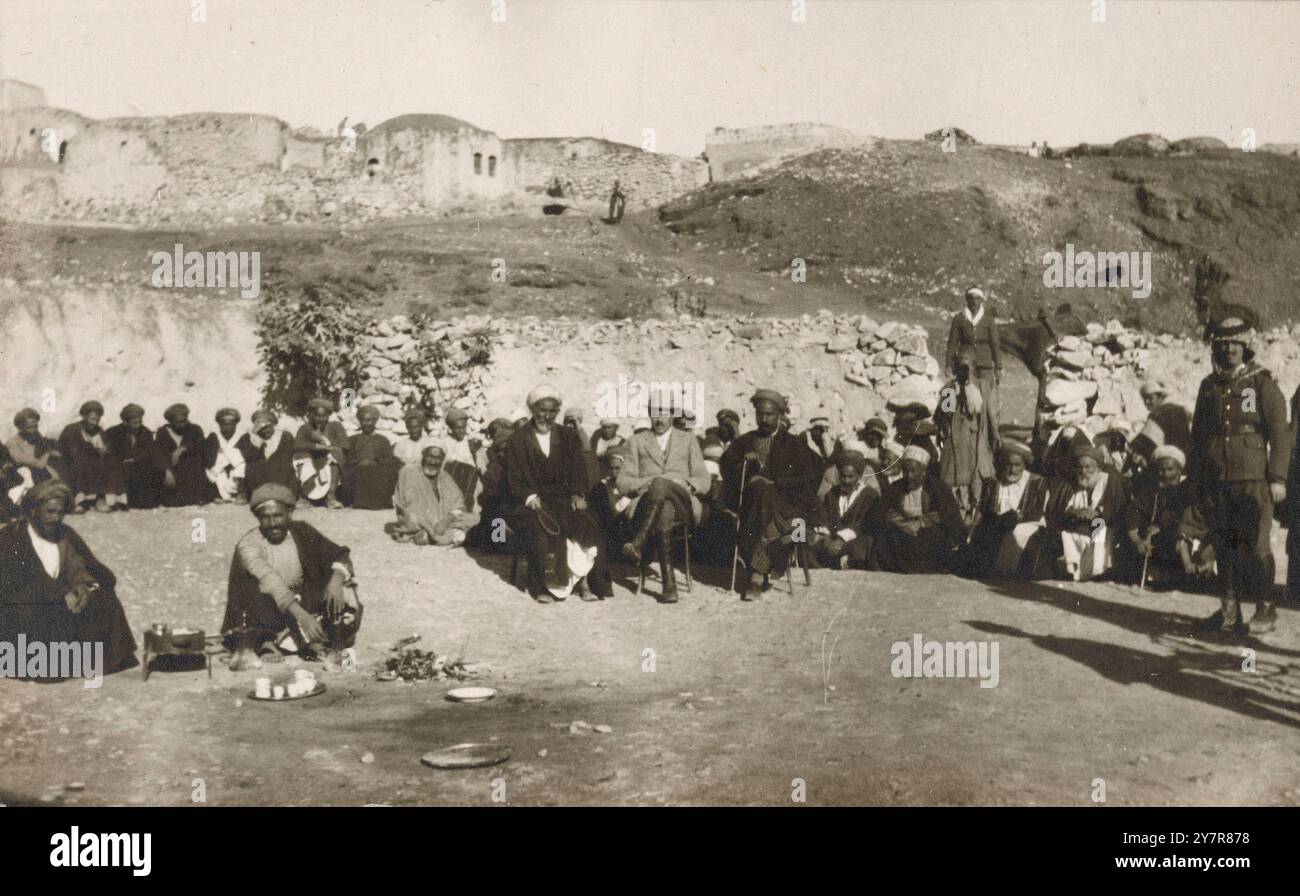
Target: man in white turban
{"type": "Point", "coordinates": [545, 504]}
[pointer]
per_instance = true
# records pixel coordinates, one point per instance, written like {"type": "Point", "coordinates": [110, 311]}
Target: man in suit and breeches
{"type": "Point", "coordinates": [664, 467]}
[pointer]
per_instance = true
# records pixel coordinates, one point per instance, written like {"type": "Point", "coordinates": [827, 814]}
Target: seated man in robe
{"type": "Point", "coordinates": [1151, 525]}
{"type": "Point", "coordinates": [316, 471]}
{"type": "Point", "coordinates": [726, 431]}
{"type": "Point", "coordinates": [488, 534]}
{"type": "Point", "coordinates": [1167, 423]}
{"type": "Point", "coordinates": [1114, 444]}
{"type": "Point", "coordinates": [882, 450]}
{"type": "Point", "coordinates": [546, 504]}
{"type": "Point", "coordinates": [967, 436]}
{"type": "Point", "coordinates": [1084, 516]}
{"type": "Point", "coordinates": [872, 442]}
{"type": "Point", "coordinates": [1009, 512]}
{"type": "Point", "coordinates": [603, 440]}
{"type": "Point", "coordinates": [320, 430]}
{"type": "Point", "coordinates": [38, 459]}
{"type": "Point", "coordinates": [53, 590]}
{"type": "Point", "coordinates": [840, 539]}
{"type": "Point", "coordinates": [431, 508]}
{"type": "Point", "coordinates": [409, 447]}
{"type": "Point", "coordinates": [136, 478]}
{"type": "Point", "coordinates": [664, 474]}
{"type": "Point", "coordinates": [779, 474]}
{"type": "Point", "coordinates": [465, 457]}
{"type": "Point", "coordinates": [178, 455]}
{"type": "Point", "coordinates": [611, 504]}
{"type": "Point", "coordinates": [817, 438]}
{"type": "Point", "coordinates": [915, 526]}
{"type": "Point", "coordinates": [908, 429]}
{"type": "Point", "coordinates": [225, 463]}
{"type": "Point", "coordinates": [370, 472]}
{"type": "Point", "coordinates": [84, 446]}
{"type": "Point", "coordinates": [290, 588]}
{"type": "Point", "coordinates": [268, 453]}
{"type": "Point", "coordinates": [573, 420]}
{"type": "Point", "coordinates": [1058, 460]}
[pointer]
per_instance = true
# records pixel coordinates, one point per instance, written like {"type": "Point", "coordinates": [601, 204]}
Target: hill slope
{"type": "Point", "coordinates": [907, 221]}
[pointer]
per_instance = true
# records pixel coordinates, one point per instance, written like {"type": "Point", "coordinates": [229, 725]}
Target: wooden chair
{"type": "Point", "coordinates": [680, 532]}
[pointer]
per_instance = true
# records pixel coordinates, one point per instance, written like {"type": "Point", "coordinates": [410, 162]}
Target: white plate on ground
{"type": "Point", "coordinates": [471, 695]}
{"type": "Point", "coordinates": [467, 756]}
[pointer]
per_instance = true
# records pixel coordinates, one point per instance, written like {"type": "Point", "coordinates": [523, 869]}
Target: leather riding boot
{"type": "Point", "coordinates": [1227, 620]}
{"type": "Point", "coordinates": [636, 547]}
{"type": "Point", "coordinates": [1265, 618]}
{"type": "Point", "coordinates": [666, 572]}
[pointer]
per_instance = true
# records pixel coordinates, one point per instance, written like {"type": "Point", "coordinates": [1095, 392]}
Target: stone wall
{"type": "Point", "coordinates": [591, 166]}
{"type": "Point", "coordinates": [225, 169]}
{"type": "Point", "coordinates": [814, 360]}
{"type": "Point", "coordinates": [1094, 380]}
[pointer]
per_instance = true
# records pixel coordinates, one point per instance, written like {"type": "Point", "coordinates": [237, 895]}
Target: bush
{"type": "Point", "coordinates": [308, 349]}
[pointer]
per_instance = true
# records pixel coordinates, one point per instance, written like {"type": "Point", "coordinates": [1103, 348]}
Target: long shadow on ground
{"type": "Point", "coordinates": [1190, 674]}
{"type": "Point", "coordinates": [1156, 624]}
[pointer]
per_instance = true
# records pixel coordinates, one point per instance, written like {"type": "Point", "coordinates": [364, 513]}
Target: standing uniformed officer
{"type": "Point", "coordinates": [1241, 449]}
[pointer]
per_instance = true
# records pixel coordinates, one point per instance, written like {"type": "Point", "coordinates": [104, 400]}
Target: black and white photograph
{"type": "Point", "coordinates": [620, 403]}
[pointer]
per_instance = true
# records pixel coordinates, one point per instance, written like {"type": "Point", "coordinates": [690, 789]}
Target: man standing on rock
{"type": "Point", "coordinates": [1241, 445]}
{"type": "Point", "coordinates": [973, 326]}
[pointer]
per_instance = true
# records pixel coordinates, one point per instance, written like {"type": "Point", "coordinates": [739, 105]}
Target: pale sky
{"type": "Point", "coordinates": [1007, 72]}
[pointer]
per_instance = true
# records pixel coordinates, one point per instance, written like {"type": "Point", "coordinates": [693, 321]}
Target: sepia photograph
{"type": "Point", "coordinates": [649, 403]}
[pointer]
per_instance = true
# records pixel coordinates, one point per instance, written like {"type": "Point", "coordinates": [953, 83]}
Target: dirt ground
{"type": "Point", "coordinates": [711, 701]}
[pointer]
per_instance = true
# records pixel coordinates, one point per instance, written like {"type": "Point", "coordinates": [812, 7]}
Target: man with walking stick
{"type": "Point", "coordinates": [770, 479]}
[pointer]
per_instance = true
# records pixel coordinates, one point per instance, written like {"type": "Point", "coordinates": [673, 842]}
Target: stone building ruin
{"type": "Point", "coordinates": [202, 169]}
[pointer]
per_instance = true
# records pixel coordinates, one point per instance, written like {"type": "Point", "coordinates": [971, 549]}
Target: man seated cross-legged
{"type": "Point", "coordinates": [290, 588]}
{"type": "Point", "coordinates": [431, 508]}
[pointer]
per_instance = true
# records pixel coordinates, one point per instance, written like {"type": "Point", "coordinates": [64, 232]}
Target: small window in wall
{"type": "Point", "coordinates": [63, 151]}
{"type": "Point", "coordinates": [478, 163]}
{"type": "Point", "coordinates": [492, 166]}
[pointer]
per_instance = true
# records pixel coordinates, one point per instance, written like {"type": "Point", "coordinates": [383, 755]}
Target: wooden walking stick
{"type": "Point", "coordinates": [735, 551]}
{"type": "Point", "coordinates": [1155, 509]}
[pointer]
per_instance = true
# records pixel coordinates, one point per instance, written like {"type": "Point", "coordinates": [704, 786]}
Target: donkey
{"type": "Point", "coordinates": [1030, 340]}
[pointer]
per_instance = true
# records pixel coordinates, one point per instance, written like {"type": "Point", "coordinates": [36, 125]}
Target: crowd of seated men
{"type": "Point", "coordinates": [1185, 501]}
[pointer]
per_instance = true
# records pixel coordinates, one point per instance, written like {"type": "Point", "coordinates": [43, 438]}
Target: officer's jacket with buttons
{"type": "Point", "coordinates": [1239, 428]}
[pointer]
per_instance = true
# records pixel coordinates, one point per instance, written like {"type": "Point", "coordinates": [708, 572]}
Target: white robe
{"type": "Point", "coordinates": [226, 480]}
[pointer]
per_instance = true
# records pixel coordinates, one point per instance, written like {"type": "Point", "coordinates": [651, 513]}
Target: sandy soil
{"type": "Point", "coordinates": [1096, 681]}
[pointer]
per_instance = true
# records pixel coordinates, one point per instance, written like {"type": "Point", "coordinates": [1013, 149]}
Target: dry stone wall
{"type": "Point", "coordinates": [1095, 380]}
{"type": "Point", "coordinates": [825, 365]}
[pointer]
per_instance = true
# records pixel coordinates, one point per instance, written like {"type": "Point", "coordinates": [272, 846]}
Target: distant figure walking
{"type": "Point", "coordinates": [616, 203]}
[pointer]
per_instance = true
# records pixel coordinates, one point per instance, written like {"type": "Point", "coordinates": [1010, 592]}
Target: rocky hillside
{"type": "Point", "coordinates": [910, 223]}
